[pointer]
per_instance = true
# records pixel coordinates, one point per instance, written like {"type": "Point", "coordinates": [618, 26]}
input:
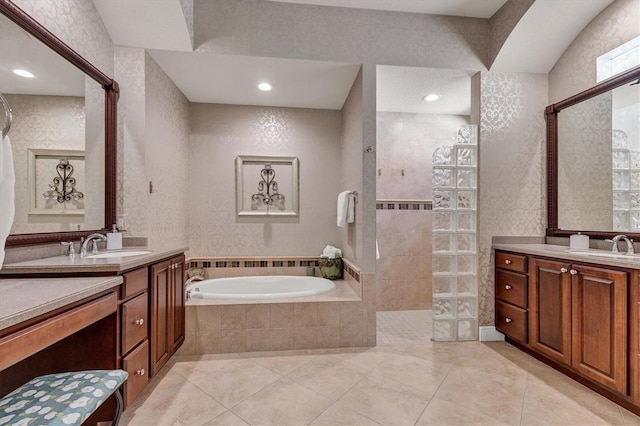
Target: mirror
{"type": "Point", "coordinates": [593, 160]}
{"type": "Point", "coordinates": [69, 107]}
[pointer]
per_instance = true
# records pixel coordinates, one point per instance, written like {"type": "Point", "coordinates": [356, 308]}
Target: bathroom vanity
{"type": "Point", "coordinates": [67, 314]}
{"type": "Point", "coordinates": [576, 311]}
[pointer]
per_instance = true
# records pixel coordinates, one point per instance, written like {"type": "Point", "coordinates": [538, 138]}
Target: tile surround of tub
{"type": "Point", "coordinates": [232, 326]}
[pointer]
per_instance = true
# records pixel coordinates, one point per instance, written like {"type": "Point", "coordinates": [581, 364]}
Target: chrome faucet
{"type": "Point", "coordinates": [189, 281]}
{"type": "Point", "coordinates": [85, 243]}
{"type": "Point", "coordinates": [626, 239]}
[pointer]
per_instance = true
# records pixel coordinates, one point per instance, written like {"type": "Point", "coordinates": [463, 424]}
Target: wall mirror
{"type": "Point", "coordinates": [267, 186]}
{"type": "Point", "coordinates": [69, 106]}
{"type": "Point", "coordinates": [593, 160]}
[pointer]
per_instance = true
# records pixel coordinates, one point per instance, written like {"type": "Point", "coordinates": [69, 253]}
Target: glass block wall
{"type": "Point", "coordinates": [626, 184]}
{"type": "Point", "coordinates": [454, 251]}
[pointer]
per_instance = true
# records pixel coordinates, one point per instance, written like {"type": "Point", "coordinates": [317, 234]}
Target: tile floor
{"type": "Point", "coordinates": [405, 380]}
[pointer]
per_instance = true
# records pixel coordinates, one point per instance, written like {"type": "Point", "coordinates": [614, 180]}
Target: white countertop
{"type": "Point", "coordinates": [563, 252]}
{"type": "Point", "coordinates": [67, 264]}
{"type": "Point", "coordinates": [23, 299]}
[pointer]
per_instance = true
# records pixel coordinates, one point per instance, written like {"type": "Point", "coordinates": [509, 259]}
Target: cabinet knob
{"type": "Point", "coordinates": [139, 321]}
{"type": "Point", "coordinates": [563, 270]}
{"type": "Point", "coordinates": [507, 287]}
{"type": "Point", "coordinates": [573, 272]}
{"type": "Point", "coordinates": [508, 262]}
{"type": "Point", "coordinates": [140, 372]}
{"type": "Point", "coordinates": [508, 320]}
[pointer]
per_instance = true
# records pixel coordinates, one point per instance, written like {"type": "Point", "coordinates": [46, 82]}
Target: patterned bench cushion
{"type": "Point", "coordinates": [59, 399]}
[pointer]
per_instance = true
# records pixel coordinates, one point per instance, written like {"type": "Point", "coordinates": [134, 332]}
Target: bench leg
{"type": "Point", "coordinates": [119, 407]}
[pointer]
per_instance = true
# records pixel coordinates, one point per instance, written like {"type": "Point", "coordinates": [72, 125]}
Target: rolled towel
{"type": "Point", "coordinates": [331, 252]}
{"type": "Point", "coordinates": [343, 208]}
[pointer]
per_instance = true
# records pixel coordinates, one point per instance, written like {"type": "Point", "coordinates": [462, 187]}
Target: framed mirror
{"type": "Point", "coordinates": [81, 110]}
{"type": "Point", "coordinates": [593, 160]}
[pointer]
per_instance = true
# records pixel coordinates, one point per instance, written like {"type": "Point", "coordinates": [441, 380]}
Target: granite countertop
{"type": "Point", "coordinates": [621, 259]}
{"type": "Point", "coordinates": [23, 299]}
{"type": "Point", "coordinates": [77, 264]}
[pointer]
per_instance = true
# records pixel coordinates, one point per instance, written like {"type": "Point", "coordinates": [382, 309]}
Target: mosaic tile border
{"type": "Point", "coordinates": [252, 262]}
{"type": "Point", "coordinates": [403, 205]}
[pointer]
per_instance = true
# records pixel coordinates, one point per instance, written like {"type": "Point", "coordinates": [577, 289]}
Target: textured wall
{"type": "Point", "coordinates": [512, 168]}
{"type": "Point", "coordinates": [405, 142]}
{"type": "Point", "coordinates": [46, 122]}
{"type": "Point", "coordinates": [575, 71]}
{"type": "Point", "coordinates": [503, 22]}
{"type": "Point", "coordinates": [219, 133]}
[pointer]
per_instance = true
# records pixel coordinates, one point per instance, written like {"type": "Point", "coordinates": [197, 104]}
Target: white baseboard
{"type": "Point", "coordinates": [490, 334]}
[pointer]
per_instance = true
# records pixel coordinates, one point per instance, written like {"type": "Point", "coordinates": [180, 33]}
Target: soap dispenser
{"type": "Point", "coordinates": [114, 239]}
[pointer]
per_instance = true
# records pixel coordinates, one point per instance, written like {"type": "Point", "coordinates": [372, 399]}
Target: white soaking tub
{"type": "Point", "coordinates": [259, 287]}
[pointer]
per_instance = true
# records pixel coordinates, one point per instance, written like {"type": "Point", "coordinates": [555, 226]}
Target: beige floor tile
{"type": "Point", "coordinates": [327, 377]}
{"type": "Point", "coordinates": [235, 382]}
{"type": "Point", "coordinates": [226, 419]}
{"type": "Point", "coordinates": [629, 418]}
{"type": "Point", "coordinates": [282, 403]}
{"type": "Point", "coordinates": [441, 412]}
{"type": "Point", "coordinates": [283, 364]}
{"type": "Point", "coordinates": [481, 392]}
{"type": "Point", "coordinates": [385, 401]}
{"type": "Point", "coordinates": [419, 373]}
{"type": "Point", "coordinates": [173, 401]}
{"type": "Point", "coordinates": [342, 416]}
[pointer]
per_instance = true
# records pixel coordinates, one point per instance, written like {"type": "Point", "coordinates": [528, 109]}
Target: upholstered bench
{"type": "Point", "coordinates": [62, 398]}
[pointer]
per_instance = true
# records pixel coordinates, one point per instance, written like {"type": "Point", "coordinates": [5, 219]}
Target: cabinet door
{"type": "Point", "coordinates": [550, 309]}
{"type": "Point", "coordinates": [177, 304]}
{"type": "Point", "coordinates": [161, 294]}
{"type": "Point", "coordinates": [598, 322]}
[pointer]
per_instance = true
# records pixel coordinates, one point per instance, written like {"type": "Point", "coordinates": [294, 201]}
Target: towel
{"type": "Point", "coordinates": [351, 208]}
{"type": "Point", "coordinates": [331, 252]}
{"type": "Point", "coordinates": [377, 250]}
{"type": "Point", "coordinates": [343, 208]}
{"type": "Point", "coordinates": [7, 201]}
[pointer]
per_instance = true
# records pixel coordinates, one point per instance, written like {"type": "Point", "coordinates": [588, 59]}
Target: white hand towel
{"type": "Point", "coordinates": [377, 250]}
{"type": "Point", "coordinates": [351, 217]}
{"type": "Point", "coordinates": [7, 201]}
{"type": "Point", "coordinates": [343, 204]}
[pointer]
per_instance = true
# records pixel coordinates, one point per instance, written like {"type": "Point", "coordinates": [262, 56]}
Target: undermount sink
{"type": "Point", "coordinates": [619, 255]}
{"type": "Point", "coordinates": [112, 254]}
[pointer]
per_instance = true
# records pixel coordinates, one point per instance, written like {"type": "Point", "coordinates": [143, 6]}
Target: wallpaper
{"type": "Point", "coordinates": [219, 133]}
{"type": "Point", "coordinates": [512, 168]}
{"type": "Point", "coordinates": [575, 71]}
{"type": "Point", "coordinates": [503, 22]}
{"type": "Point", "coordinates": [187, 9]}
{"type": "Point", "coordinates": [78, 24]}
{"type": "Point", "coordinates": [585, 181]}
{"type": "Point", "coordinates": [45, 122]}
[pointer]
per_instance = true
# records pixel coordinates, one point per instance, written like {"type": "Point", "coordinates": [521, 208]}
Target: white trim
{"type": "Point", "coordinates": [490, 334]}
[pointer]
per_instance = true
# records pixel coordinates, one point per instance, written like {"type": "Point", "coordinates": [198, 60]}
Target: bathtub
{"type": "Point", "coordinates": [259, 288]}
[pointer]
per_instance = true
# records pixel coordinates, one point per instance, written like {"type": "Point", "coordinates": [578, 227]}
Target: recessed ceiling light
{"type": "Point", "coordinates": [265, 87]}
{"type": "Point", "coordinates": [431, 97]}
{"type": "Point", "coordinates": [23, 73]}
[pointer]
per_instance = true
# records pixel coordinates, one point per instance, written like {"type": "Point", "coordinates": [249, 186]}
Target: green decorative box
{"type": "Point", "coordinates": [331, 269]}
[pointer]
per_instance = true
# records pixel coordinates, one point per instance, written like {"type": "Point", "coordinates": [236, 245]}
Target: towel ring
{"type": "Point", "coordinates": [7, 116]}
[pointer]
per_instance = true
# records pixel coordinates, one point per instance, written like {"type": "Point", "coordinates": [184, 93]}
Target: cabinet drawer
{"type": "Point", "coordinates": [137, 365]}
{"type": "Point", "coordinates": [134, 322]}
{"type": "Point", "coordinates": [135, 282]}
{"type": "Point", "coordinates": [511, 287]}
{"type": "Point", "coordinates": [513, 262]}
{"type": "Point", "coordinates": [511, 321]}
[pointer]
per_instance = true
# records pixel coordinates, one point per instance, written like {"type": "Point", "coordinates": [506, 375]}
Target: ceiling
{"type": "Point", "coordinates": [468, 8]}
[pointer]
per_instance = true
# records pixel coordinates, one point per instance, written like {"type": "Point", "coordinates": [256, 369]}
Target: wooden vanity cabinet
{"type": "Point", "coordinates": [511, 295]}
{"type": "Point", "coordinates": [578, 318]}
{"type": "Point", "coordinates": [167, 310]}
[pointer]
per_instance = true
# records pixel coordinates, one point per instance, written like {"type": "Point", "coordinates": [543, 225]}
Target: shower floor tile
{"type": "Point", "coordinates": [401, 327]}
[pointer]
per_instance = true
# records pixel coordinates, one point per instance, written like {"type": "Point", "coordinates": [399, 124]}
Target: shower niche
{"type": "Point", "coordinates": [454, 241]}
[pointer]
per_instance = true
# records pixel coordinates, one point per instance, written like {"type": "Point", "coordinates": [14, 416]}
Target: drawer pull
{"type": "Point", "coordinates": [563, 270]}
{"type": "Point", "coordinates": [139, 321]}
{"type": "Point", "coordinates": [507, 287]}
{"type": "Point", "coordinates": [573, 272]}
{"type": "Point", "coordinates": [508, 262]}
{"type": "Point", "coordinates": [140, 372]}
{"type": "Point", "coordinates": [508, 320]}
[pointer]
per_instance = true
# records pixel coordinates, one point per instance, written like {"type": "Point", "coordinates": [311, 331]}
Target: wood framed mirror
{"type": "Point", "coordinates": [593, 160]}
{"type": "Point", "coordinates": [110, 89]}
